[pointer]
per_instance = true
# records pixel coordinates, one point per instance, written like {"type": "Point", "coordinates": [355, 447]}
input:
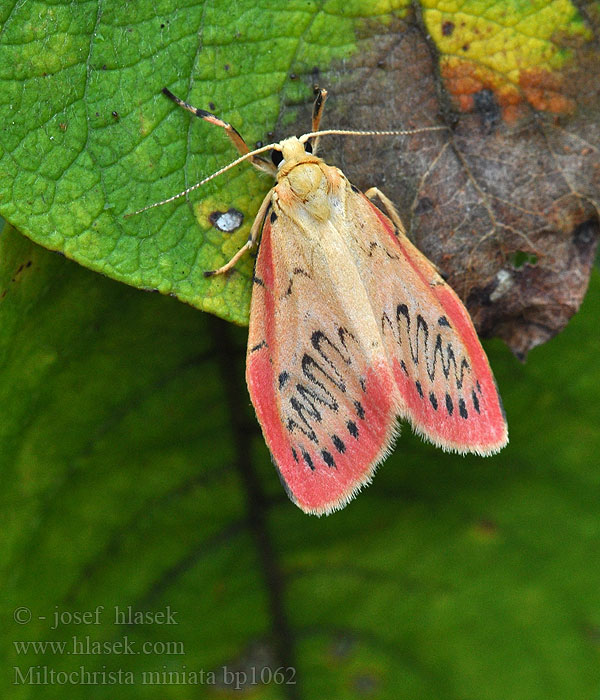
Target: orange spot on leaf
{"type": "Point", "coordinates": [540, 89]}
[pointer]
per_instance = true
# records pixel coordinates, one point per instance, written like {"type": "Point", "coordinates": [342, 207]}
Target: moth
{"type": "Point", "coordinates": [351, 328]}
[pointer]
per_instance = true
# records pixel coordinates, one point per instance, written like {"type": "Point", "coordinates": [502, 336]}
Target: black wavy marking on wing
{"type": "Point", "coordinates": [419, 342]}
{"type": "Point", "coordinates": [259, 346]}
{"type": "Point", "coordinates": [322, 377]}
{"type": "Point", "coordinates": [296, 271]}
{"type": "Point", "coordinates": [374, 245]}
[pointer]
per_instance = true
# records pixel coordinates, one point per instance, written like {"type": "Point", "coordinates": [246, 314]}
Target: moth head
{"type": "Point", "coordinates": [291, 151]}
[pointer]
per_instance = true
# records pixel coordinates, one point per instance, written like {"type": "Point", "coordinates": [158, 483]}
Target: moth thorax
{"type": "Point", "coordinates": [306, 180]}
{"type": "Point", "coordinates": [308, 185]}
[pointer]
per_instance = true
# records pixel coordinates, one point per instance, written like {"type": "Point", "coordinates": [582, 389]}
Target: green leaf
{"type": "Point", "coordinates": [91, 138]}
{"type": "Point", "coordinates": [134, 474]}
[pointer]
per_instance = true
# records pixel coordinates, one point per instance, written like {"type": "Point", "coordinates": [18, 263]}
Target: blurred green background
{"type": "Point", "coordinates": [134, 473]}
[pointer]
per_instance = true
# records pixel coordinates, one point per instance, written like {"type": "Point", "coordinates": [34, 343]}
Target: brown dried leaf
{"type": "Point", "coordinates": [508, 210]}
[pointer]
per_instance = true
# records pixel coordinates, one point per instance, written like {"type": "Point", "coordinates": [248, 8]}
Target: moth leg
{"type": "Point", "coordinates": [318, 107]}
{"type": "Point", "coordinates": [390, 209]}
{"type": "Point", "coordinates": [234, 136]}
{"type": "Point", "coordinates": [252, 238]}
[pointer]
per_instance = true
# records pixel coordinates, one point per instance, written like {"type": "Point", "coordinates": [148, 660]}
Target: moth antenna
{"type": "Point", "coordinates": [224, 169]}
{"type": "Point", "coordinates": [348, 132]}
